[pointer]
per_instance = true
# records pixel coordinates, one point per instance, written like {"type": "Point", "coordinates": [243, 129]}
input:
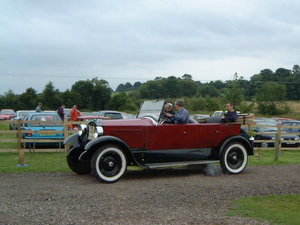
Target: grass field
{"type": "Point", "coordinates": [277, 209]}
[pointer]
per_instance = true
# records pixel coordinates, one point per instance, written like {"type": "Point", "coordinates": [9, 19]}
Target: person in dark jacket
{"type": "Point", "coordinates": [182, 115]}
{"type": "Point", "coordinates": [60, 112]}
{"type": "Point", "coordinates": [231, 114]}
{"type": "Point", "coordinates": [168, 109]}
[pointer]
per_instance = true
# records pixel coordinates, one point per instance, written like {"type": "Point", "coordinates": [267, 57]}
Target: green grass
{"type": "Point", "coordinates": [267, 158]}
{"type": "Point", "coordinates": [277, 209]}
{"type": "Point", "coordinates": [37, 162]}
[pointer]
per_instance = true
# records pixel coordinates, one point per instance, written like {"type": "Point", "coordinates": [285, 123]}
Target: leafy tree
{"type": "Point", "coordinates": [70, 98]}
{"type": "Point", "coordinates": [122, 102]}
{"type": "Point", "coordinates": [187, 77]}
{"type": "Point", "coordinates": [9, 100]}
{"type": "Point", "coordinates": [233, 91]}
{"type": "Point", "coordinates": [100, 94]}
{"type": "Point", "coordinates": [28, 99]}
{"type": "Point", "coordinates": [121, 87]}
{"type": "Point", "coordinates": [50, 97]}
{"type": "Point", "coordinates": [268, 97]}
{"type": "Point", "coordinates": [137, 84]}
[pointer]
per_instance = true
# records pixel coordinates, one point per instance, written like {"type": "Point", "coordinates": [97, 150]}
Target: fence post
{"type": "Point", "coordinates": [20, 149]}
{"type": "Point", "coordinates": [65, 132]}
{"type": "Point", "coordinates": [259, 154]}
{"type": "Point", "coordinates": [277, 143]}
{"type": "Point", "coordinates": [279, 137]}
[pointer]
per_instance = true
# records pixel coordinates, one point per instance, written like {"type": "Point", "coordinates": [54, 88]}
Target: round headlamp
{"type": "Point", "coordinates": [81, 129]}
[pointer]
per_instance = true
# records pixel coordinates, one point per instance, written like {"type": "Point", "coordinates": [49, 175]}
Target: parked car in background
{"type": "Point", "coordinates": [92, 118]}
{"type": "Point", "coordinates": [20, 114]}
{"type": "Point", "coordinates": [108, 147]}
{"type": "Point", "coordinates": [128, 115]}
{"type": "Point", "coordinates": [270, 130]}
{"type": "Point", "coordinates": [111, 114]}
{"type": "Point", "coordinates": [86, 113]}
{"type": "Point", "coordinates": [6, 114]}
{"type": "Point", "coordinates": [43, 130]}
{"type": "Point", "coordinates": [281, 120]}
{"type": "Point", "coordinates": [294, 129]}
{"type": "Point", "coordinates": [199, 117]}
{"type": "Point", "coordinates": [67, 112]}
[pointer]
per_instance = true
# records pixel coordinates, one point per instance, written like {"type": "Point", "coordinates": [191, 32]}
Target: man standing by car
{"type": "Point", "coordinates": [231, 114]}
{"type": "Point", "coordinates": [182, 115]}
{"type": "Point", "coordinates": [39, 108]}
{"type": "Point", "coordinates": [60, 112]}
{"type": "Point", "coordinates": [74, 113]}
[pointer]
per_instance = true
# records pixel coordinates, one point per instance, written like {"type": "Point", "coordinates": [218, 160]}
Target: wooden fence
{"type": "Point", "coordinates": [21, 142]}
{"type": "Point", "coordinates": [277, 141]}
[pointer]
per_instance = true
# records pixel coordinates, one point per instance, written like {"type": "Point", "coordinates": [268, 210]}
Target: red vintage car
{"type": "Point", "coordinates": [108, 147]}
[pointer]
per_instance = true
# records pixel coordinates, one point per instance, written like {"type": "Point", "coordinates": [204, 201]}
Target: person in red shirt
{"type": "Point", "coordinates": [74, 114]}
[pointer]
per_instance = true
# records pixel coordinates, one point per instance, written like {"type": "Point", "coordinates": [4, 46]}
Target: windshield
{"type": "Point", "coordinates": [6, 112]}
{"type": "Point", "coordinates": [23, 114]}
{"type": "Point", "coordinates": [291, 129]}
{"type": "Point", "coordinates": [46, 118]}
{"type": "Point", "coordinates": [114, 115]}
{"type": "Point", "coordinates": [151, 108]}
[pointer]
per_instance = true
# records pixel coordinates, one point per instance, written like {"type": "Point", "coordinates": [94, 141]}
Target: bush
{"type": "Point", "coordinates": [272, 109]}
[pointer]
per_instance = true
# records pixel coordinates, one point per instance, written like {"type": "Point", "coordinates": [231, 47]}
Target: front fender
{"type": "Point", "coordinates": [103, 139]}
{"type": "Point", "coordinates": [95, 143]}
{"type": "Point", "coordinates": [247, 144]}
{"type": "Point", "coordinates": [73, 139]}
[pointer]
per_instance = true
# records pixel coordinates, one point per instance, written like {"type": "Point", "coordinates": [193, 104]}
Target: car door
{"type": "Point", "coordinates": [181, 136]}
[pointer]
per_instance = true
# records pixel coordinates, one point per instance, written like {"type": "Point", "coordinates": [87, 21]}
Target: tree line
{"type": "Point", "coordinates": [266, 88]}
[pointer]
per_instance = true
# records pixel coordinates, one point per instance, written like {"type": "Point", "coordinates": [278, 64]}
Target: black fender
{"type": "Point", "coordinates": [73, 139]}
{"type": "Point", "coordinates": [248, 145]}
{"type": "Point", "coordinates": [93, 145]}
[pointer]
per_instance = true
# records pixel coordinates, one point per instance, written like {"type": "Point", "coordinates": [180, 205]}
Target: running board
{"type": "Point", "coordinates": [185, 163]}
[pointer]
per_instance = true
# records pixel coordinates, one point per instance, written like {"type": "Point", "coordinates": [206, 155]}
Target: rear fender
{"type": "Point", "coordinates": [248, 145]}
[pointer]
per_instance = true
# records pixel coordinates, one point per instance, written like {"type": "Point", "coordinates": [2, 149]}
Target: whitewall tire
{"type": "Point", "coordinates": [234, 158]}
{"type": "Point", "coordinates": [109, 163]}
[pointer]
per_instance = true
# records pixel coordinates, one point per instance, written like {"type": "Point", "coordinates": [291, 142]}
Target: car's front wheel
{"type": "Point", "coordinates": [109, 163]}
{"type": "Point", "coordinates": [234, 158]}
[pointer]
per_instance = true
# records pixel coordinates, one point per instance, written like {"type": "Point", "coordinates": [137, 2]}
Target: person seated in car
{"type": "Point", "coordinates": [168, 109]}
{"type": "Point", "coordinates": [182, 115]}
{"type": "Point", "coordinates": [230, 115]}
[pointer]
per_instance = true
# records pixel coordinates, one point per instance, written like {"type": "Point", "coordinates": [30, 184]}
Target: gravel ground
{"type": "Point", "coordinates": [172, 196]}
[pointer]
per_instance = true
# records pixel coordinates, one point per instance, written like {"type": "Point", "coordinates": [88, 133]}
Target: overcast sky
{"type": "Point", "coordinates": [120, 41]}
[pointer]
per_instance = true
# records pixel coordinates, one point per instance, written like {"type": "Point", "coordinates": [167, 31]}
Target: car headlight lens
{"type": "Point", "coordinates": [81, 129]}
{"type": "Point", "coordinates": [98, 132]}
{"type": "Point", "coordinates": [297, 138]}
{"type": "Point", "coordinates": [273, 138]}
{"type": "Point", "coordinates": [94, 132]}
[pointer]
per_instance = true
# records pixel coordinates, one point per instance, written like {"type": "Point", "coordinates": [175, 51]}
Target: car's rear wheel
{"type": "Point", "coordinates": [234, 158]}
{"type": "Point", "coordinates": [78, 166]}
{"type": "Point", "coordinates": [109, 163]}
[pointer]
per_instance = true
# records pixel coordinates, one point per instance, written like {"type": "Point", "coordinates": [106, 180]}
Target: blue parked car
{"type": "Point", "coordinates": [49, 129]}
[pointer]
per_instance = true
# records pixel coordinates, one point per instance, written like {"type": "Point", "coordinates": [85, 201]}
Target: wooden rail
{"type": "Point", "coordinates": [21, 141]}
{"type": "Point", "coordinates": [277, 141]}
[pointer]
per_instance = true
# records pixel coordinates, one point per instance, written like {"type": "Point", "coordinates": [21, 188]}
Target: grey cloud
{"type": "Point", "coordinates": [117, 37]}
